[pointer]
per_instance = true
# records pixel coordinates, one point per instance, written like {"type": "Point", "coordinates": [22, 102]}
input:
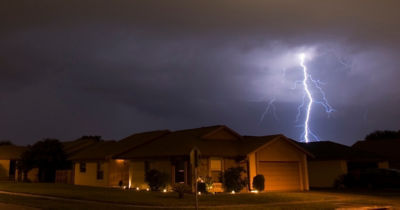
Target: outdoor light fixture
{"type": "Point", "coordinates": [233, 192]}
{"type": "Point", "coordinates": [164, 190]}
{"type": "Point", "coordinates": [199, 193]}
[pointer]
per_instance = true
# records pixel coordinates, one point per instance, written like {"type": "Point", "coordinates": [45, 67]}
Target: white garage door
{"type": "Point", "coordinates": [280, 176]}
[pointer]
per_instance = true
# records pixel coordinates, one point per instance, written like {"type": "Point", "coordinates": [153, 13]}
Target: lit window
{"type": "Point", "coordinates": [216, 165]}
{"type": "Point", "coordinates": [216, 169]}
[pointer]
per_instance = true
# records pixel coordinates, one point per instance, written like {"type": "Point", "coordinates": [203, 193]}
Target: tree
{"type": "Point", "coordinates": [383, 135]}
{"type": "Point", "coordinates": [48, 156]}
{"type": "Point", "coordinates": [5, 142]}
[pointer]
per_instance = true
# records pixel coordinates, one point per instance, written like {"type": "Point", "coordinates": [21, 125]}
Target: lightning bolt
{"type": "Point", "coordinates": [309, 96]}
{"type": "Point", "coordinates": [308, 82]}
{"type": "Point", "coordinates": [270, 107]}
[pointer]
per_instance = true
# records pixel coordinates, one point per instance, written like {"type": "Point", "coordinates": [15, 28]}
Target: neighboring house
{"type": "Point", "coordinates": [9, 155]}
{"type": "Point", "coordinates": [282, 162]}
{"type": "Point", "coordinates": [94, 165]}
{"type": "Point", "coordinates": [332, 160]}
{"type": "Point", "coordinates": [388, 148]}
{"type": "Point", "coordinates": [70, 148]}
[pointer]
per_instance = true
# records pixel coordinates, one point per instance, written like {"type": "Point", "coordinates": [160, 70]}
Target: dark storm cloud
{"type": "Point", "coordinates": [70, 68]}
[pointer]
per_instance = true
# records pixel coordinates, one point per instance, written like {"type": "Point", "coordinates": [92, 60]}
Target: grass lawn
{"type": "Point", "coordinates": [276, 200]}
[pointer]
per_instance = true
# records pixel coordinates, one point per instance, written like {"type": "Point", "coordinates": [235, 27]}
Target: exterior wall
{"type": "Point", "coordinates": [90, 176]}
{"type": "Point", "coordinates": [203, 169]}
{"type": "Point", "coordinates": [324, 173]}
{"type": "Point", "coordinates": [252, 168]}
{"type": "Point", "coordinates": [137, 175]}
{"type": "Point", "coordinates": [118, 171]}
{"type": "Point", "coordinates": [4, 169]}
{"type": "Point", "coordinates": [279, 151]}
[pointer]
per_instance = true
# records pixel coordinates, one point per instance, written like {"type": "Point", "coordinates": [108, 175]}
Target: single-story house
{"type": "Point", "coordinates": [333, 159]}
{"type": "Point", "coordinates": [9, 156]}
{"type": "Point", "coordinates": [94, 165]}
{"type": "Point", "coordinates": [282, 162]}
{"type": "Point", "coordinates": [70, 148]}
{"type": "Point", "coordinates": [388, 148]}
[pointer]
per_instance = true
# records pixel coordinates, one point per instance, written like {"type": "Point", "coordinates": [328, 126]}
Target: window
{"type": "Point", "coordinates": [216, 169]}
{"type": "Point", "coordinates": [82, 167]}
{"type": "Point", "coordinates": [100, 171]}
{"type": "Point", "coordinates": [180, 171]}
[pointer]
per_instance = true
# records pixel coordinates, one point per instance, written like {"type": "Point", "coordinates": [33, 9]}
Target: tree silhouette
{"type": "Point", "coordinates": [48, 156]}
{"type": "Point", "coordinates": [383, 135]}
{"type": "Point", "coordinates": [5, 142]}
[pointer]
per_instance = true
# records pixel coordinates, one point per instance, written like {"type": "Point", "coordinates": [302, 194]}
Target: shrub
{"type": "Point", "coordinates": [369, 178]}
{"type": "Point", "coordinates": [201, 187]}
{"type": "Point", "coordinates": [156, 179]}
{"type": "Point", "coordinates": [258, 182]}
{"type": "Point", "coordinates": [204, 184]}
{"type": "Point", "coordinates": [233, 180]}
{"type": "Point", "coordinates": [181, 188]}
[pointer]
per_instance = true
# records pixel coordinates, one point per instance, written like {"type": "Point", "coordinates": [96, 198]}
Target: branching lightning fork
{"type": "Point", "coordinates": [307, 82]}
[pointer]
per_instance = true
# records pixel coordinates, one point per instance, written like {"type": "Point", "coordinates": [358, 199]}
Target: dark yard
{"type": "Point", "coordinates": [56, 196]}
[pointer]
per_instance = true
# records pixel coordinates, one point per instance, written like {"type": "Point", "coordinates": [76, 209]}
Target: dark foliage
{"type": "Point", "coordinates": [5, 142]}
{"type": "Point", "coordinates": [156, 179]}
{"type": "Point", "coordinates": [258, 182]}
{"type": "Point", "coordinates": [233, 180]}
{"type": "Point", "coordinates": [48, 156]}
{"type": "Point", "coordinates": [181, 189]}
{"type": "Point", "coordinates": [201, 187]}
{"type": "Point", "coordinates": [383, 135]}
{"type": "Point", "coordinates": [370, 178]}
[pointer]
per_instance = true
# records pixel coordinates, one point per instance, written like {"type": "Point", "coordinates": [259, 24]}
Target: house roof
{"type": "Point", "coordinates": [387, 148]}
{"type": "Point", "coordinates": [327, 150]}
{"type": "Point", "coordinates": [181, 142]}
{"type": "Point", "coordinates": [11, 152]}
{"type": "Point", "coordinates": [252, 143]}
{"type": "Point", "coordinates": [72, 147]}
{"type": "Point", "coordinates": [98, 151]}
{"type": "Point", "coordinates": [105, 149]}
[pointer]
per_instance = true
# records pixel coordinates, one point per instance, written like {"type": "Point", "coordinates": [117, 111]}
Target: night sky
{"type": "Point", "coordinates": [113, 68]}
